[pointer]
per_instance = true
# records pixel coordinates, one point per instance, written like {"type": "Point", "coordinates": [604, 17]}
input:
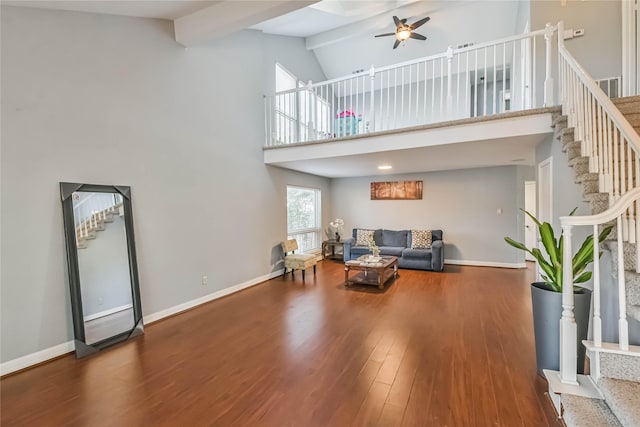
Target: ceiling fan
{"type": "Point", "coordinates": [404, 31]}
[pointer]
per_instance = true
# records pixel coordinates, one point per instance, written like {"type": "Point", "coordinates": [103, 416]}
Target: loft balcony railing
{"type": "Point", "coordinates": [509, 74]}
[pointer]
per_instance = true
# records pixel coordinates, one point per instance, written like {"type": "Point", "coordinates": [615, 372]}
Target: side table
{"type": "Point", "coordinates": [332, 253]}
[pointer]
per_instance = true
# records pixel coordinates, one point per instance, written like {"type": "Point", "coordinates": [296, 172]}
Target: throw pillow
{"type": "Point", "coordinates": [421, 239]}
{"type": "Point", "coordinates": [363, 237]}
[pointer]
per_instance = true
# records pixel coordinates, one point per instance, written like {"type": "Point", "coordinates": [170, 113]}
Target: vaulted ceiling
{"type": "Point", "coordinates": [340, 32]}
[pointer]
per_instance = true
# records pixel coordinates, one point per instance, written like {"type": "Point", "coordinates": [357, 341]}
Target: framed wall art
{"type": "Point", "coordinates": [396, 190]}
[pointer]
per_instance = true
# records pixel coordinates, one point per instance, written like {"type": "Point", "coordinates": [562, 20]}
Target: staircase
{"type": "Point", "coordinates": [88, 228]}
{"type": "Point", "coordinates": [617, 374]}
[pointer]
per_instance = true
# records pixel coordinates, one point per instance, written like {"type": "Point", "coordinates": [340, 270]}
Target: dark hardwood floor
{"type": "Point", "coordinates": [433, 349]}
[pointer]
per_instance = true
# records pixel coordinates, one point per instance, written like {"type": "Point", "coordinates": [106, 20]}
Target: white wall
{"type": "Point", "coordinates": [113, 100]}
{"type": "Point", "coordinates": [462, 203]}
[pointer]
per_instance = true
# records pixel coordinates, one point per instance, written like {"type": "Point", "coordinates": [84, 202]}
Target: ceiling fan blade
{"type": "Point", "coordinates": [417, 36]}
{"type": "Point", "coordinates": [420, 22]}
{"type": "Point", "coordinates": [386, 34]}
{"type": "Point", "coordinates": [396, 20]}
{"type": "Point", "coordinates": [403, 21]}
{"type": "Point", "coordinates": [395, 45]}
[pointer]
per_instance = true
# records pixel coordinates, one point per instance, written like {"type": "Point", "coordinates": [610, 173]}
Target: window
{"type": "Point", "coordinates": [299, 116]}
{"type": "Point", "coordinates": [303, 217]}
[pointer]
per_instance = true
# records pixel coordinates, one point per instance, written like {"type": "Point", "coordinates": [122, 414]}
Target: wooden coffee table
{"type": "Point", "coordinates": [384, 267]}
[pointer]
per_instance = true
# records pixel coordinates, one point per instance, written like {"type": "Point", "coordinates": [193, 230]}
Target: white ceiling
{"type": "Point", "coordinates": [328, 15]}
{"type": "Point", "coordinates": [160, 9]}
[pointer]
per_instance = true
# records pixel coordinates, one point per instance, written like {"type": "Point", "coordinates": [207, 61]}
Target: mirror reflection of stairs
{"type": "Point", "coordinates": [88, 228]}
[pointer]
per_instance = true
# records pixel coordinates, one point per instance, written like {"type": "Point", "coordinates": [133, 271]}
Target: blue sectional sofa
{"type": "Point", "coordinates": [398, 243]}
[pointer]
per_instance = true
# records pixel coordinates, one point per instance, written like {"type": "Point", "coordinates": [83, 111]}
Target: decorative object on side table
{"type": "Point", "coordinates": [546, 297]}
{"type": "Point", "coordinates": [335, 229]}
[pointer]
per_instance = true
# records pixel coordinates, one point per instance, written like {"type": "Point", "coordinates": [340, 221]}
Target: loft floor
{"type": "Point", "coordinates": [497, 140]}
{"type": "Point", "coordinates": [434, 349]}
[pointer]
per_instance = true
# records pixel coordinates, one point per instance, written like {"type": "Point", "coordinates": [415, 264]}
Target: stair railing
{"type": "Point", "coordinates": [468, 81]}
{"type": "Point", "coordinates": [93, 211]}
{"type": "Point", "coordinates": [612, 146]}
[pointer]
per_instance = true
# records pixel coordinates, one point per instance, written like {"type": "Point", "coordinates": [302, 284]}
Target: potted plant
{"type": "Point", "coordinates": [546, 297]}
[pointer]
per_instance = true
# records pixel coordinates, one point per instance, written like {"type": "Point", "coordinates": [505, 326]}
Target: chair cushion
{"type": "Point", "coordinates": [421, 239]}
{"type": "Point", "coordinates": [299, 261]}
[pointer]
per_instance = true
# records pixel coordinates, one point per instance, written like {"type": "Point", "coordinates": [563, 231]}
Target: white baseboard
{"type": "Point", "coordinates": [107, 312]}
{"type": "Point", "coordinates": [35, 358]}
{"type": "Point", "coordinates": [485, 263]}
{"type": "Point", "coordinates": [154, 317]}
{"type": "Point", "coordinates": [68, 347]}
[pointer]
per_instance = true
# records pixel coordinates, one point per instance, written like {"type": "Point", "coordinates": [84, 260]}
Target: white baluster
{"type": "Point", "coordinates": [449, 82]}
{"type": "Point", "coordinates": [568, 327]}
{"type": "Point", "coordinates": [597, 321]}
{"type": "Point", "coordinates": [623, 326]}
{"type": "Point", "coordinates": [372, 80]}
{"type": "Point", "coordinates": [534, 78]}
{"type": "Point", "coordinates": [495, 82]}
{"type": "Point", "coordinates": [484, 90]}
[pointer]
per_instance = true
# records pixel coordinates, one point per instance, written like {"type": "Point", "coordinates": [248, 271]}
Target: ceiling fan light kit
{"type": "Point", "coordinates": [404, 31]}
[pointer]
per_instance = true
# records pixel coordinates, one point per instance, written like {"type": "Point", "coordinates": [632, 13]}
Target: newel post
{"type": "Point", "coordinates": [568, 326]}
{"type": "Point", "coordinates": [372, 78]}
{"type": "Point", "coordinates": [548, 79]}
{"type": "Point", "coordinates": [562, 80]}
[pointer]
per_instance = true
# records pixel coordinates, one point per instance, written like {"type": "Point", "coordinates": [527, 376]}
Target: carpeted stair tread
{"type": "Point", "coordinates": [629, 250]}
{"type": "Point", "coordinates": [620, 366]}
{"type": "Point", "coordinates": [589, 176]}
{"type": "Point", "coordinates": [584, 412]}
{"type": "Point", "coordinates": [559, 121]}
{"type": "Point", "coordinates": [632, 282]}
{"type": "Point", "coordinates": [623, 398]}
{"type": "Point", "coordinates": [625, 100]}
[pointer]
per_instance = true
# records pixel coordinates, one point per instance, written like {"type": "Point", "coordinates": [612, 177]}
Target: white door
{"type": "Point", "coordinates": [530, 230]}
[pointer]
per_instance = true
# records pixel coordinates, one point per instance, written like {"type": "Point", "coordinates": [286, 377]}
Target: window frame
{"type": "Point", "coordinates": [317, 229]}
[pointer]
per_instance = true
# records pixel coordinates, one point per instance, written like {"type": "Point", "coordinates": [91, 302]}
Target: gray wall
{"type": "Point", "coordinates": [114, 100]}
{"type": "Point", "coordinates": [599, 51]}
{"type": "Point", "coordinates": [463, 203]}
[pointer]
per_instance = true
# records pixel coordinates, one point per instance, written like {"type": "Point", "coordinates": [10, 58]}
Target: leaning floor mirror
{"type": "Point", "coordinates": [101, 259]}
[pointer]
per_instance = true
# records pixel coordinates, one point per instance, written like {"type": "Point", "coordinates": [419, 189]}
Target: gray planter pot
{"type": "Point", "coordinates": [547, 311]}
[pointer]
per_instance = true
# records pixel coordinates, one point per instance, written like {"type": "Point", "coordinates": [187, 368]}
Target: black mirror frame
{"type": "Point", "coordinates": [66, 191]}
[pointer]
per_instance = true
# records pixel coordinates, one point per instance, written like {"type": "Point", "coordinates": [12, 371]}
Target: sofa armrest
{"type": "Point", "coordinates": [347, 248]}
{"type": "Point", "coordinates": [437, 255]}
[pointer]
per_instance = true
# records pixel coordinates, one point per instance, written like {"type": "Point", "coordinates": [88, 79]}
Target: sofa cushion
{"type": "Point", "coordinates": [394, 238]}
{"type": "Point", "coordinates": [391, 250]}
{"type": "Point", "coordinates": [417, 253]}
{"type": "Point", "coordinates": [357, 251]}
{"type": "Point", "coordinates": [363, 237]}
{"type": "Point", "coordinates": [421, 239]}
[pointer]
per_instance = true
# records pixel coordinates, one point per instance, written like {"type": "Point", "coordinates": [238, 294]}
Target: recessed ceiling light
{"type": "Point", "coordinates": [385, 167]}
{"type": "Point", "coordinates": [518, 160]}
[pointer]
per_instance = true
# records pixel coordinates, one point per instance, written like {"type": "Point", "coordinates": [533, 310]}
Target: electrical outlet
{"type": "Point", "coordinates": [205, 280]}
